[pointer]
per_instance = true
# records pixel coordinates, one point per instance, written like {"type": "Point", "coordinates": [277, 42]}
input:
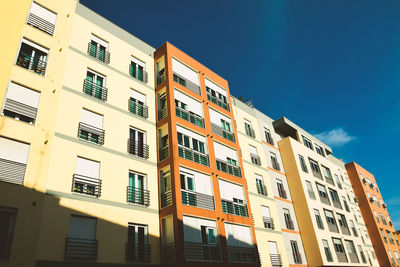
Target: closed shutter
{"type": "Point", "coordinates": [88, 168]}
{"type": "Point", "coordinates": [22, 100]}
{"type": "Point", "coordinates": [92, 119]}
{"type": "Point", "coordinates": [43, 13]}
{"type": "Point", "coordinates": [13, 159]}
{"type": "Point", "coordinates": [138, 96]}
{"type": "Point", "coordinates": [82, 227]}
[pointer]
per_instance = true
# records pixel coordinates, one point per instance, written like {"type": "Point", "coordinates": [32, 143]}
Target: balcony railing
{"type": "Point", "coordinates": [20, 108]}
{"type": "Point", "coordinates": [138, 109]}
{"type": "Point", "coordinates": [222, 132]}
{"type": "Point", "coordinates": [289, 224]}
{"type": "Point", "coordinates": [138, 74]}
{"type": "Point", "coordinates": [100, 54]}
{"type": "Point", "coordinates": [166, 199]}
{"type": "Point", "coordinates": [91, 88]}
{"type": "Point", "coordinates": [81, 249]}
{"type": "Point", "coordinates": [276, 259]}
{"type": "Point", "coordinates": [282, 193]}
{"type": "Point", "coordinates": [255, 159]}
{"type": "Point", "coordinates": [138, 149]}
{"type": "Point", "coordinates": [262, 190]}
{"type": "Point", "coordinates": [160, 79]}
{"type": "Point", "coordinates": [41, 24]}
{"type": "Point", "coordinates": [186, 83]}
{"type": "Point", "coordinates": [197, 199]}
{"type": "Point", "coordinates": [202, 252]}
{"type": "Point", "coordinates": [190, 154]}
{"type": "Point", "coordinates": [26, 61]}
{"type": "Point", "coordinates": [228, 168]}
{"type": "Point", "coordinates": [168, 253]}
{"type": "Point", "coordinates": [242, 254]}
{"type": "Point", "coordinates": [218, 101]}
{"type": "Point", "coordinates": [90, 133]}
{"type": "Point", "coordinates": [86, 185]}
{"type": "Point", "coordinates": [138, 196]}
{"type": "Point", "coordinates": [134, 252]}
{"type": "Point", "coordinates": [297, 258]}
{"type": "Point", "coordinates": [164, 153]}
{"type": "Point", "coordinates": [230, 207]}
{"type": "Point", "coordinates": [189, 116]}
{"type": "Point", "coordinates": [162, 113]}
{"type": "Point", "coordinates": [5, 246]}
{"type": "Point", "coordinates": [12, 172]}
{"type": "Point", "coordinates": [268, 222]}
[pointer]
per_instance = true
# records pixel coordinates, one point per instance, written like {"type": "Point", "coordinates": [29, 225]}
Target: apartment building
{"type": "Point", "coordinates": [375, 214]}
{"type": "Point", "coordinates": [277, 232]}
{"type": "Point", "coordinates": [78, 158]}
{"type": "Point", "coordinates": [326, 210]}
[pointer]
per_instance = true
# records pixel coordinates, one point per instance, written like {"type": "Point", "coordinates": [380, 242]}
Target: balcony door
{"type": "Point", "coordinates": [137, 140]}
{"type": "Point", "coordinates": [187, 186]}
{"type": "Point", "coordinates": [137, 235]}
{"type": "Point", "coordinates": [136, 185]}
{"type": "Point", "coordinates": [94, 81]}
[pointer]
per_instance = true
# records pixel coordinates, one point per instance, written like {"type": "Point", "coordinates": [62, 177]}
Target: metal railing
{"type": "Point", "coordinates": [282, 193]}
{"type": "Point", "coordinates": [268, 222]}
{"type": "Point", "coordinates": [90, 133]}
{"type": "Point", "coordinates": [262, 190]}
{"type": "Point", "coordinates": [238, 209]}
{"type": "Point", "coordinates": [86, 185]}
{"type": "Point", "coordinates": [166, 198]}
{"type": "Point", "coordinates": [138, 196]}
{"type": "Point", "coordinates": [218, 101]}
{"type": "Point", "coordinates": [289, 224]}
{"type": "Point", "coordinates": [164, 153]}
{"type": "Point", "coordinates": [41, 24]}
{"type": "Point", "coordinates": [276, 259]}
{"type": "Point", "coordinates": [26, 61]}
{"type": "Point", "coordinates": [242, 254]}
{"type": "Point", "coordinates": [168, 253]}
{"type": "Point", "coordinates": [134, 252]}
{"type": "Point", "coordinates": [138, 74]}
{"type": "Point", "coordinates": [160, 79]}
{"type": "Point", "coordinates": [190, 154]}
{"type": "Point", "coordinates": [162, 113]}
{"type": "Point", "coordinates": [222, 132]}
{"type": "Point", "coordinates": [138, 149]}
{"type": "Point", "coordinates": [202, 252]}
{"type": "Point", "coordinates": [102, 55]}
{"type": "Point", "coordinates": [5, 246]}
{"type": "Point", "coordinates": [138, 109]}
{"type": "Point", "coordinates": [91, 88]}
{"type": "Point", "coordinates": [250, 132]}
{"type": "Point", "coordinates": [228, 168]}
{"type": "Point", "coordinates": [197, 199]}
{"type": "Point", "coordinates": [297, 258]}
{"type": "Point", "coordinates": [12, 171]}
{"type": "Point", "coordinates": [189, 116]}
{"type": "Point", "coordinates": [20, 108]}
{"type": "Point", "coordinates": [275, 164]}
{"type": "Point", "coordinates": [79, 249]}
{"type": "Point", "coordinates": [255, 159]}
{"type": "Point", "coordinates": [186, 83]}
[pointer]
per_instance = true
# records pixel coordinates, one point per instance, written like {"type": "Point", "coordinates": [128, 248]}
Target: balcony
{"type": "Point", "coordinates": [186, 83]}
{"type": "Point", "coordinates": [100, 54]}
{"type": "Point", "coordinates": [297, 258]}
{"type": "Point", "coordinates": [90, 133]}
{"type": "Point", "coordinates": [41, 24]}
{"type": "Point", "coordinates": [282, 193]}
{"type": "Point", "coordinates": [138, 149]}
{"type": "Point", "coordinates": [90, 88]}
{"type": "Point", "coordinates": [162, 113]}
{"type": "Point", "coordinates": [163, 153]}
{"type": "Point", "coordinates": [190, 154]}
{"type": "Point", "coordinates": [262, 190]}
{"type": "Point", "coordinates": [137, 253]}
{"type": "Point", "coordinates": [168, 253]}
{"type": "Point", "coordinates": [138, 196]}
{"type": "Point", "coordinates": [86, 185]}
{"type": "Point", "coordinates": [12, 172]}
{"type": "Point", "coordinates": [255, 159]}
{"type": "Point", "coordinates": [189, 116]}
{"type": "Point", "coordinates": [268, 223]}
{"type": "Point", "coordinates": [276, 259]}
{"type": "Point", "coordinates": [202, 252]}
{"type": "Point", "coordinates": [218, 130]}
{"type": "Point", "coordinates": [289, 224]}
{"type": "Point", "coordinates": [217, 101]}
{"type": "Point", "coordinates": [230, 207]}
{"type": "Point", "coordinates": [5, 246]}
{"type": "Point", "coordinates": [242, 254]}
{"type": "Point", "coordinates": [138, 109]}
{"type": "Point", "coordinates": [33, 64]}
{"type": "Point", "coordinates": [78, 249]}
{"type": "Point", "coordinates": [197, 199]}
{"type": "Point", "coordinates": [228, 168]}
{"type": "Point", "coordinates": [166, 199]}
{"type": "Point", "coordinates": [138, 74]}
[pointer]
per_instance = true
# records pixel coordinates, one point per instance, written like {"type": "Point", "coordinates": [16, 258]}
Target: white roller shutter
{"type": "Point", "coordinates": [82, 227]}
{"type": "Point", "coordinates": [253, 150]}
{"type": "Point", "coordinates": [99, 41]}
{"type": "Point", "coordinates": [138, 62]}
{"type": "Point", "coordinates": [43, 13]}
{"type": "Point", "coordinates": [87, 168]}
{"type": "Point", "coordinates": [185, 72]}
{"type": "Point", "coordinates": [138, 96]}
{"type": "Point", "coordinates": [92, 119]}
{"type": "Point", "coordinates": [13, 150]}
{"type": "Point", "coordinates": [23, 95]}
{"type": "Point", "coordinates": [38, 47]}
{"type": "Point", "coordinates": [230, 190]}
{"type": "Point", "coordinates": [215, 87]}
{"type": "Point", "coordinates": [222, 152]}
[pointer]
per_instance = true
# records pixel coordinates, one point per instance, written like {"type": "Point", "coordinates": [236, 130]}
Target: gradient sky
{"type": "Point", "coordinates": [332, 67]}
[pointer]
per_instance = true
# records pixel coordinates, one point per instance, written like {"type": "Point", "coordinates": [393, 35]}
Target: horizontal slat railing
{"type": "Point", "coordinates": [138, 109]}
{"type": "Point", "coordinates": [202, 252]}
{"type": "Point", "coordinates": [166, 198]}
{"type": "Point", "coordinates": [188, 84]}
{"type": "Point", "coordinates": [297, 258]}
{"type": "Point", "coordinates": [20, 108]}
{"type": "Point", "coordinates": [242, 254]}
{"type": "Point", "coordinates": [91, 88]}
{"type": "Point", "coordinates": [190, 154]}
{"type": "Point", "coordinates": [276, 259]}
{"type": "Point", "coordinates": [163, 153]}
{"type": "Point", "coordinates": [138, 149]}
{"type": "Point", "coordinates": [222, 132]}
{"type": "Point", "coordinates": [97, 53]}
{"type": "Point", "coordinates": [140, 75]}
{"type": "Point", "coordinates": [134, 252]}
{"type": "Point", "coordinates": [86, 185]}
{"type": "Point", "coordinates": [230, 207]}
{"type": "Point", "coordinates": [91, 133]}
{"type": "Point", "coordinates": [81, 249]}
{"type": "Point", "coordinates": [26, 61]}
{"type": "Point", "coordinates": [138, 196]}
{"type": "Point", "coordinates": [197, 199]}
{"type": "Point", "coordinates": [189, 116]}
{"type": "Point", "coordinates": [268, 222]}
{"type": "Point", "coordinates": [40, 23]}
{"type": "Point", "coordinates": [217, 101]}
{"type": "Point", "coordinates": [162, 113]}
{"type": "Point", "coordinates": [168, 253]}
{"type": "Point", "coordinates": [228, 168]}
{"type": "Point", "coordinates": [12, 171]}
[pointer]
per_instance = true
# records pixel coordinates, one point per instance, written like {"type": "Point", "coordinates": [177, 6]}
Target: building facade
{"type": "Point", "coordinates": [375, 214]}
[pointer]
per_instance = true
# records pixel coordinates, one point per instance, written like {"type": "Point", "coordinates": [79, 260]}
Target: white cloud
{"type": "Point", "coordinates": [336, 137]}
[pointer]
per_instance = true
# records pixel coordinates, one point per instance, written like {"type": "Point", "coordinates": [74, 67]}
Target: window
{"type": "Point", "coordinates": [382, 218]}
{"type": "Point", "coordinates": [21, 103]}
{"type": "Point", "coordinates": [255, 159]}
{"type": "Point", "coordinates": [397, 256]}
{"type": "Point", "coordinates": [383, 235]}
{"type": "Point", "coordinates": [339, 184]}
{"type": "Point", "coordinates": [91, 127]}
{"type": "Point", "coordinates": [162, 106]}
{"type": "Point", "coordinates": [319, 150]}
{"type": "Point", "coordinates": [288, 219]}
{"type": "Point", "coordinates": [376, 201]}
{"type": "Point", "coordinates": [208, 235]}
{"type": "Point", "coordinates": [95, 85]}
{"type": "Point", "coordinates": [315, 168]}
{"type": "Point", "coordinates": [268, 221]}
{"type": "Point", "coordinates": [310, 190]}
{"type": "Point", "coordinates": [32, 57]}
{"type": "Point", "coordinates": [249, 130]}
{"type": "Point", "coordinates": [179, 80]}
{"type": "Point", "coordinates": [13, 160]}
{"type": "Point", "coordinates": [261, 189]}
{"type": "Point", "coordinates": [335, 198]}
{"type": "Point", "coordinates": [327, 174]}
{"type": "Point", "coordinates": [281, 189]}
{"type": "Point", "coordinates": [268, 136]}
{"type": "Point", "coordinates": [274, 254]}
{"type": "Point", "coordinates": [322, 194]}
{"type": "Point", "coordinates": [376, 217]}
{"type": "Point", "coordinates": [307, 142]}
{"type": "Point", "coordinates": [303, 163]}
{"type": "Point", "coordinates": [137, 143]}
{"type": "Point", "coordinates": [318, 219]}
{"type": "Point", "coordinates": [187, 189]}
{"type": "Point", "coordinates": [225, 125]}
{"type": "Point", "coordinates": [42, 18]}
{"type": "Point", "coordinates": [137, 104]}
{"type": "Point", "coordinates": [82, 234]}
{"type": "Point", "coordinates": [331, 222]}
{"type": "Point", "coordinates": [390, 237]}
{"type": "Point", "coordinates": [353, 228]}
{"type": "Point", "coordinates": [295, 252]}
{"type": "Point", "coordinates": [216, 97]}
{"type": "Point", "coordinates": [138, 248]}
{"type": "Point", "coordinates": [98, 48]}
{"type": "Point", "coordinates": [346, 206]}
{"type": "Point", "coordinates": [274, 161]}
{"type": "Point", "coordinates": [86, 178]}
{"type": "Point", "coordinates": [137, 192]}
{"type": "Point", "coordinates": [137, 69]}
{"type": "Point", "coordinates": [327, 250]}
{"type": "Point", "coordinates": [391, 258]}
{"type": "Point", "coordinates": [343, 224]}
{"type": "Point", "coordinates": [364, 260]}
{"type": "Point", "coordinates": [339, 248]}
{"type": "Point", "coordinates": [352, 251]}
{"type": "Point", "coordinates": [8, 217]}
{"type": "Point", "coordinates": [232, 198]}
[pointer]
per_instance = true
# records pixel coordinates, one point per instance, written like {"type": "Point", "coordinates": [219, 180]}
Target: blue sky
{"type": "Point", "coordinates": [332, 67]}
